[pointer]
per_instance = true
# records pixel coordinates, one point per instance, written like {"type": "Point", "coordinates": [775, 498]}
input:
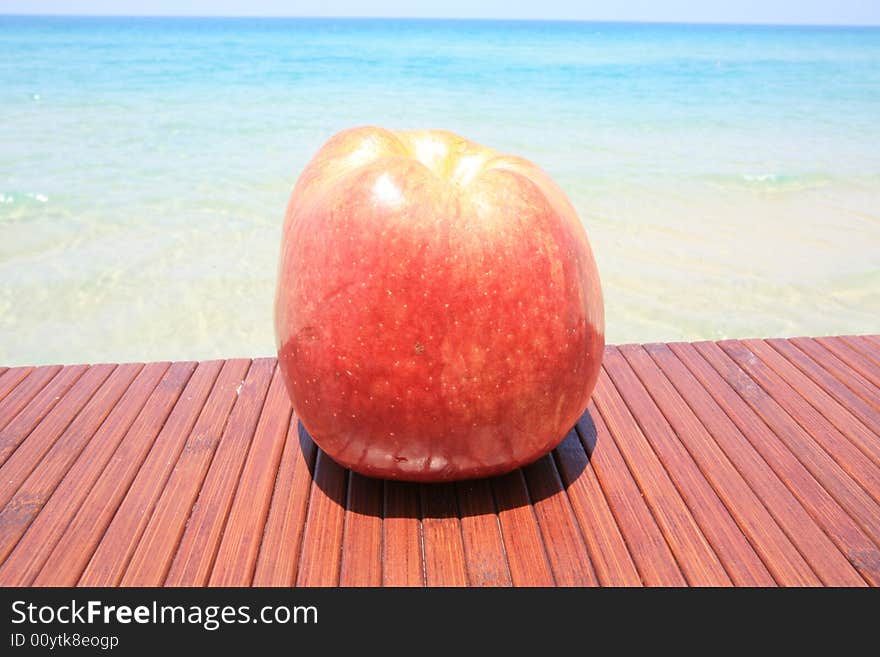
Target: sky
{"type": "Point", "coordinates": [846, 12]}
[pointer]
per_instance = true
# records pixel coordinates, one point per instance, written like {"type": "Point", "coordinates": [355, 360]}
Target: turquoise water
{"type": "Point", "coordinates": [728, 176]}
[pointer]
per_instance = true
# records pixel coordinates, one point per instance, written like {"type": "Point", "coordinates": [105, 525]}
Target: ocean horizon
{"type": "Point", "coordinates": [728, 175]}
{"type": "Point", "coordinates": [430, 19]}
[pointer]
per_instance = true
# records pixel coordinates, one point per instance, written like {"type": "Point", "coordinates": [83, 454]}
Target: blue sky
{"type": "Point", "coordinates": [850, 12]}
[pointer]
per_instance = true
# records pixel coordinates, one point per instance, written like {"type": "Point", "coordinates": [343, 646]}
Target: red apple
{"type": "Point", "coordinates": [438, 313]}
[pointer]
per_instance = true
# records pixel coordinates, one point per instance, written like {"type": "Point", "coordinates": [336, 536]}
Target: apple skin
{"type": "Point", "coordinates": [438, 312]}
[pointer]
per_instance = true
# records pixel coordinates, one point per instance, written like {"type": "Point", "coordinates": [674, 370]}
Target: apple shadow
{"type": "Point", "coordinates": [385, 498]}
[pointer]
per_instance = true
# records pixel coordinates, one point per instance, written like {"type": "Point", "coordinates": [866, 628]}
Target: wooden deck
{"type": "Point", "coordinates": [748, 463]}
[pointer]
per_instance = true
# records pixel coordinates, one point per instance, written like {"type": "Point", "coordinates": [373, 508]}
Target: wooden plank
{"type": "Point", "coordinates": [669, 481]}
{"type": "Point", "coordinates": [566, 550]}
{"type": "Point", "coordinates": [778, 555]}
{"type": "Point", "coordinates": [441, 533]}
{"type": "Point", "coordinates": [237, 555]}
{"type": "Point", "coordinates": [362, 533]}
{"type": "Point", "coordinates": [650, 551]}
{"type": "Point", "coordinates": [836, 445]}
{"type": "Point", "coordinates": [608, 550]}
{"type": "Point", "coordinates": [79, 413]}
{"type": "Point", "coordinates": [773, 434]}
{"type": "Point", "coordinates": [526, 555]}
{"type": "Point", "coordinates": [714, 518]}
{"type": "Point", "coordinates": [9, 379]}
{"type": "Point", "coordinates": [320, 557]}
{"type": "Point", "coordinates": [34, 543]}
{"type": "Point", "coordinates": [863, 344]}
{"type": "Point", "coordinates": [842, 417]}
{"type": "Point", "coordinates": [826, 560]}
{"type": "Point", "coordinates": [867, 392]}
{"type": "Point", "coordinates": [21, 384]}
{"type": "Point", "coordinates": [848, 494]}
{"type": "Point", "coordinates": [30, 401]}
{"type": "Point", "coordinates": [695, 556]}
{"type": "Point", "coordinates": [402, 535]}
{"type": "Point", "coordinates": [853, 358]}
{"type": "Point", "coordinates": [112, 556]}
{"type": "Point", "coordinates": [278, 558]}
{"type": "Point", "coordinates": [153, 557]}
{"type": "Point", "coordinates": [481, 535]}
{"type": "Point", "coordinates": [192, 562]}
{"type": "Point", "coordinates": [846, 397]}
{"type": "Point", "coordinates": [33, 472]}
{"type": "Point", "coordinates": [71, 546]}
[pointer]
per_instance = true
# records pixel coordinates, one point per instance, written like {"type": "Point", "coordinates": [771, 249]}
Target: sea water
{"type": "Point", "coordinates": [728, 176]}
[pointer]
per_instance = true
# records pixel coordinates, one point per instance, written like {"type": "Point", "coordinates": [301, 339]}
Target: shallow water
{"type": "Point", "coordinates": [728, 177]}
